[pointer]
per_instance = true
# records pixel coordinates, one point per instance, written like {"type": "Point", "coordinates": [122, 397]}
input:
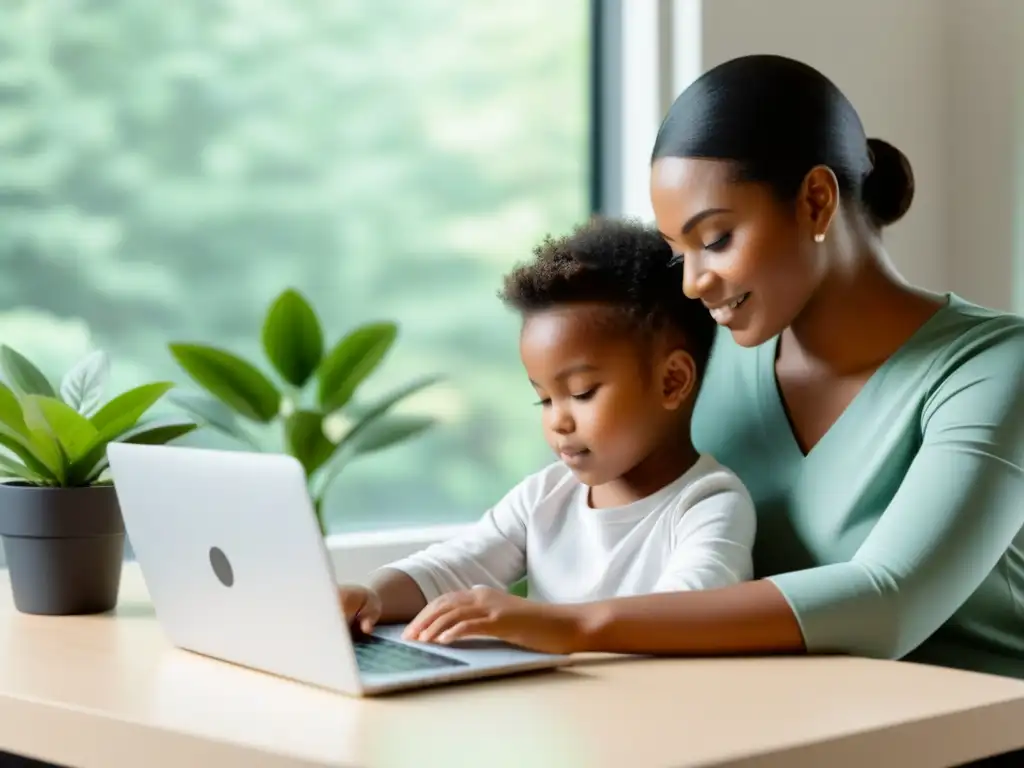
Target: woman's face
{"type": "Point", "coordinates": [748, 257]}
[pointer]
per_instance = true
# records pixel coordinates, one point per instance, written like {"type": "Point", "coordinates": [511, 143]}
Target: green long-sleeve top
{"type": "Point", "coordinates": [901, 533]}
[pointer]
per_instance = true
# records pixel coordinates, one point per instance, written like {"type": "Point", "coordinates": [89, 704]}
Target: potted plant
{"type": "Point", "coordinates": [59, 518]}
{"type": "Point", "coordinates": [312, 407]}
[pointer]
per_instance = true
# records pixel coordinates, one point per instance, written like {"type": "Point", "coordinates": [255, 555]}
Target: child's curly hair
{"type": "Point", "coordinates": [622, 263]}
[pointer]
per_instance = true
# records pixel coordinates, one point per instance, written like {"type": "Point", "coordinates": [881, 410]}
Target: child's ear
{"type": "Point", "coordinates": [679, 378]}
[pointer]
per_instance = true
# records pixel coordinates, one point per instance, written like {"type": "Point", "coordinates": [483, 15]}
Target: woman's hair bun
{"type": "Point", "coordinates": [888, 189]}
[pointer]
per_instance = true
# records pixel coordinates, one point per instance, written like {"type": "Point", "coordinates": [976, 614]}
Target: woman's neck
{"type": "Point", "coordinates": [860, 315]}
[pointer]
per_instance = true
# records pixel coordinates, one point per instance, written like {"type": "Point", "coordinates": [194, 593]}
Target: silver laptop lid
{"type": "Point", "coordinates": [237, 569]}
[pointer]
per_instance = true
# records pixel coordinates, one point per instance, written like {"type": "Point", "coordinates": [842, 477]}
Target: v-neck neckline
{"type": "Point", "coordinates": [773, 407]}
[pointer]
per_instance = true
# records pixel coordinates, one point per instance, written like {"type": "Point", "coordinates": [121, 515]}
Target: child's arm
{"type": "Point", "coordinates": [714, 539]}
{"type": "Point", "coordinates": [391, 597]}
{"type": "Point", "coordinates": [400, 596]}
{"type": "Point", "coordinates": [491, 553]}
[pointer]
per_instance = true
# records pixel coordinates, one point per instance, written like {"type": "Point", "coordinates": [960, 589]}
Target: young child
{"type": "Point", "coordinates": [614, 352]}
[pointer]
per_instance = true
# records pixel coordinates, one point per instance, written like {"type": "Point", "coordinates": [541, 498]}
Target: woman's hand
{"type": "Point", "coordinates": [486, 612]}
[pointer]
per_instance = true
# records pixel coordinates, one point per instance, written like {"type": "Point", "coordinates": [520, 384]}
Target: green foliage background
{"type": "Point", "coordinates": [166, 169]}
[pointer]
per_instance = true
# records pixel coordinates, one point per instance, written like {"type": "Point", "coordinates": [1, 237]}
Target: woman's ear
{"type": "Point", "coordinates": [819, 200]}
{"type": "Point", "coordinates": [678, 379]}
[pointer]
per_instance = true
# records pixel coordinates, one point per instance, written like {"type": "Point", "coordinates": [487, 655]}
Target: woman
{"type": "Point", "coordinates": [879, 427]}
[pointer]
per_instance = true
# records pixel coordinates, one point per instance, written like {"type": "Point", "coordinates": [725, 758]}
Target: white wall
{"type": "Point", "coordinates": [941, 79]}
{"type": "Point", "coordinates": [984, 143]}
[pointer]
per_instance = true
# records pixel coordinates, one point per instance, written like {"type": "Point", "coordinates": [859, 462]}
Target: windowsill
{"type": "Point", "coordinates": [355, 555]}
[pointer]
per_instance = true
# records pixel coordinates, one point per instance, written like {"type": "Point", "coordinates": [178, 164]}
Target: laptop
{"type": "Point", "coordinates": [237, 570]}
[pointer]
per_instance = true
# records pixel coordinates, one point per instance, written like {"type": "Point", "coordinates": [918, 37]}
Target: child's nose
{"type": "Point", "coordinates": [562, 421]}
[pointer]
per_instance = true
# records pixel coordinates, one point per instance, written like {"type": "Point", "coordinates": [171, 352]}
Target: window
{"type": "Point", "coordinates": [167, 169]}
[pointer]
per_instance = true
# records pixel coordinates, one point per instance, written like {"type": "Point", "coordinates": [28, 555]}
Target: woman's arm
{"type": "Point", "coordinates": [954, 516]}
{"type": "Point", "coordinates": [748, 618]}
{"type": "Point", "coordinates": [957, 511]}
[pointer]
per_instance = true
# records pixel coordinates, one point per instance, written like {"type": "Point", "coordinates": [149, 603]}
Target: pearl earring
{"type": "Point", "coordinates": [820, 237]}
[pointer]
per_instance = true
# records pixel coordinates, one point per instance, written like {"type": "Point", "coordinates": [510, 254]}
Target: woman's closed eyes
{"type": "Point", "coordinates": [720, 244]}
{"type": "Point", "coordinates": [716, 246]}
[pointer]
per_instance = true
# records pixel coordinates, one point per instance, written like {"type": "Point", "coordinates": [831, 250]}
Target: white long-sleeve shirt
{"type": "Point", "coordinates": [695, 533]}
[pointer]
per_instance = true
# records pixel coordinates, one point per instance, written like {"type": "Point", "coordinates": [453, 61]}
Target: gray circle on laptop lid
{"type": "Point", "coordinates": [221, 567]}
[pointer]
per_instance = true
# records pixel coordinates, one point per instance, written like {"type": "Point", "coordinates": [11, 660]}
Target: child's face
{"type": "Point", "coordinates": [609, 401]}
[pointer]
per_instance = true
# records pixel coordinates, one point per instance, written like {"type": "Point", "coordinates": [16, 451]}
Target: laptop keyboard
{"type": "Point", "coordinates": [376, 655]}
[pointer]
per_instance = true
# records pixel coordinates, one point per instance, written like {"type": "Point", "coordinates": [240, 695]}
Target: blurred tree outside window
{"type": "Point", "coordinates": [166, 169]}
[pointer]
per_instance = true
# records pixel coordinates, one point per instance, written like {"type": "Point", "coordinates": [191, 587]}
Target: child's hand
{"type": "Point", "coordinates": [362, 606]}
{"type": "Point", "coordinates": [492, 613]}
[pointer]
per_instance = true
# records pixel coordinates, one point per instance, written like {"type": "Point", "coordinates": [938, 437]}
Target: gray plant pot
{"type": "Point", "coordinates": [64, 548]}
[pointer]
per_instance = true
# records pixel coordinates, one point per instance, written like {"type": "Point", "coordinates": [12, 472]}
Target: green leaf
{"type": "Point", "coordinates": [112, 421]}
{"type": "Point", "coordinates": [386, 431]}
{"type": "Point", "coordinates": [292, 338]}
{"type": "Point", "coordinates": [121, 413]}
{"type": "Point", "coordinates": [74, 433]}
{"type": "Point", "coordinates": [93, 477]}
{"type": "Point", "coordinates": [318, 511]}
{"type": "Point", "coordinates": [212, 413]}
{"type": "Point", "coordinates": [519, 588]}
{"type": "Point", "coordinates": [22, 375]}
{"type": "Point", "coordinates": [353, 359]}
{"type": "Point", "coordinates": [83, 386]}
{"type": "Point", "coordinates": [231, 379]}
{"type": "Point", "coordinates": [151, 433]}
{"type": "Point", "coordinates": [306, 440]}
{"type": "Point", "coordinates": [157, 434]}
{"type": "Point", "coordinates": [10, 468]}
{"type": "Point", "coordinates": [376, 411]}
{"type": "Point", "coordinates": [88, 470]}
{"type": "Point", "coordinates": [81, 470]}
{"type": "Point", "coordinates": [43, 440]}
{"type": "Point", "coordinates": [10, 411]}
{"type": "Point", "coordinates": [348, 446]}
{"type": "Point", "coordinates": [39, 451]}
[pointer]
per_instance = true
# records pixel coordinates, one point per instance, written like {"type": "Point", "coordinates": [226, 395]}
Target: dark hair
{"type": "Point", "coordinates": [624, 264]}
{"type": "Point", "coordinates": [777, 118]}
